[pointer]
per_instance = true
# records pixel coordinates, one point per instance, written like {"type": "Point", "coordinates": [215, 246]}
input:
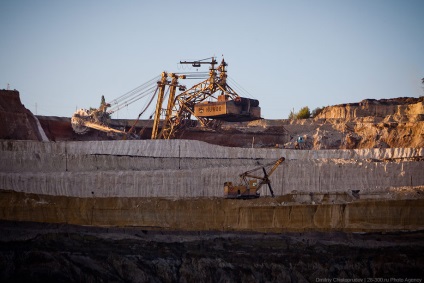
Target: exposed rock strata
{"type": "Point", "coordinates": [195, 169]}
{"type": "Point", "coordinates": [397, 109]}
{"type": "Point", "coordinates": [62, 253]}
{"type": "Point", "coordinates": [281, 214]}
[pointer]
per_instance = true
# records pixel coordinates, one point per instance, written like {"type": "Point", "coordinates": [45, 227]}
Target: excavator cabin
{"type": "Point", "coordinates": [240, 109]}
{"type": "Point", "coordinates": [242, 191]}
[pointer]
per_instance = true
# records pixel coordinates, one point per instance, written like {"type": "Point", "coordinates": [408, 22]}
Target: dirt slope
{"type": "Point", "coordinates": [16, 122]}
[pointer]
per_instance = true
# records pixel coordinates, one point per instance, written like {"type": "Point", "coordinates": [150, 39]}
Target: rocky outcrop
{"type": "Point", "coordinates": [17, 122]}
{"type": "Point", "coordinates": [405, 109]}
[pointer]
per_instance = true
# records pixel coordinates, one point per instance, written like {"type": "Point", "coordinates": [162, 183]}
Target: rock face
{"type": "Point", "coordinates": [179, 168]}
{"type": "Point", "coordinates": [17, 122]}
{"type": "Point", "coordinates": [393, 211]}
{"type": "Point", "coordinates": [154, 183]}
{"type": "Point", "coordinates": [397, 109]}
{"type": "Point", "coordinates": [371, 123]}
{"type": "Point", "coordinates": [63, 253]}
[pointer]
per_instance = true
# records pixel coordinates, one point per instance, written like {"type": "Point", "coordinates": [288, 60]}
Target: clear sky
{"type": "Point", "coordinates": [62, 55]}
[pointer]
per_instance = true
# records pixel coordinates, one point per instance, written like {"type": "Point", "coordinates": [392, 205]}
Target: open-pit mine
{"type": "Point", "coordinates": [143, 200]}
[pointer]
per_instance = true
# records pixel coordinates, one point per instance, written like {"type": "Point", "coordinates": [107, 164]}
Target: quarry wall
{"type": "Point", "coordinates": [408, 111]}
{"type": "Point", "coordinates": [217, 214]}
{"type": "Point", "coordinates": [182, 168]}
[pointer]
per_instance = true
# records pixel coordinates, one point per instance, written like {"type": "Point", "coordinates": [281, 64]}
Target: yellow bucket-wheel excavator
{"type": "Point", "coordinates": [250, 182]}
{"type": "Point", "coordinates": [211, 102]}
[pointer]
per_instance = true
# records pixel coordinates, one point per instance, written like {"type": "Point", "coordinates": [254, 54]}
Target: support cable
{"type": "Point", "coordinates": [134, 91]}
{"type": "Point", "coordinates": [239, 87]}
{"type": "Point", "coordinates": [132, 99]}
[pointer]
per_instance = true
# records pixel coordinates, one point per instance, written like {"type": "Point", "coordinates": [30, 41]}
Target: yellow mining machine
{"type": "Point", "coordinates": [209, 102]}
{"type": "Point", "coordinates": [250, 182]}
{"type": "Point", "coordinates": [83, 120]}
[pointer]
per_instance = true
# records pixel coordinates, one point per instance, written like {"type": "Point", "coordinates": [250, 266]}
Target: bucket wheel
{"type": "Point", "coordinates": [78, 119]}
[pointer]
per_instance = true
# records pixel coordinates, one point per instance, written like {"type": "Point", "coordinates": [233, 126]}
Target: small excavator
{"type": "Point", "coordinates": [250, 182]}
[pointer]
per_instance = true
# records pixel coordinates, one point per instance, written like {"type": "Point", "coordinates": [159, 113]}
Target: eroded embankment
{"type": "Point", "coordinates": [280, 214]}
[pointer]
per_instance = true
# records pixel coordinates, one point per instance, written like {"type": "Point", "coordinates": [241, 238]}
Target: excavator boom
{"type": "Point", "coordinates": [210, 102]}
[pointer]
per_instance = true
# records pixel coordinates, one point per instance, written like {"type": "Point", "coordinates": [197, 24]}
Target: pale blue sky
{"type": "Point", "coordinates": [288, 54]}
